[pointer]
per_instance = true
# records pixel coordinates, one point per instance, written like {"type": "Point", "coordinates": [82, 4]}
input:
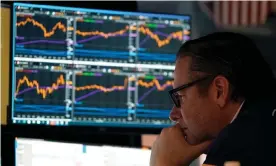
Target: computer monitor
{"type": "Point", "coordinates": [36, 152]}
{"type": "Point", "coordinates": [75, 66]}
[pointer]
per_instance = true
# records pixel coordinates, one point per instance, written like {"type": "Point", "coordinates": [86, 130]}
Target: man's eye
{"type": "Point", "coordinates": [178, 94]}
{"type": "Point", "coordinates": [181, 96]}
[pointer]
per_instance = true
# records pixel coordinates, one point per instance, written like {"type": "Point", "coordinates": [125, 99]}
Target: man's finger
{"type": "Point", "coordinates": [177, 125]}
{"type": "Point", "coordinates": [202, 146]}
{"type": "Point", "coordinates": [177, 128]}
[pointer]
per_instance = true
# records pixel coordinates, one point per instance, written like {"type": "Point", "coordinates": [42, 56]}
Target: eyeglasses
{"type": "Point", "coordinates": [176, 97]}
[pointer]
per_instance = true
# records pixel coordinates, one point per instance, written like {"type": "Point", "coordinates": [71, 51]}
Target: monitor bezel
{"type": "Point", "coordinates": [78, 128]}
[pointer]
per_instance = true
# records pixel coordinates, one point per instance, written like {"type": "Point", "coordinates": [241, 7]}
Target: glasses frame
{"type": "Point", "coordinates": [175, 97]}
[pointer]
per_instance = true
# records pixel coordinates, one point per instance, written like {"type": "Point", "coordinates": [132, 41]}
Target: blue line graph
{"type": "Point", "coordinates": [41, 52]}
{"type": "Point", "coordinates": [151, 113]}
{"type": "Point", "coordinates": [102, 53]}
{"type": "Point", "coordinates": [124, 55]}
{"type": "Point", "coordinates": [55, 109]}
{"type": "Point", "coordinates": [107, 112]}
{"type": "Point", "coordinates": [98, 53]}
{"type": "Point", "coordinates": [39, 108]}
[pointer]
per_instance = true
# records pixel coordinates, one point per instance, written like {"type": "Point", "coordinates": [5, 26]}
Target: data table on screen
{"type": "Point", "coordinates": [36, 152]}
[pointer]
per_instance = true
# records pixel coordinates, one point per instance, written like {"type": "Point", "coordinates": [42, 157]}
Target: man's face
{"type": "Point", "coordinates": [198, 114]}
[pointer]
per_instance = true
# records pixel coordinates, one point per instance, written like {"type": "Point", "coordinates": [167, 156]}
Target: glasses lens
{"type": "Point", "coordinates": [176, 100]}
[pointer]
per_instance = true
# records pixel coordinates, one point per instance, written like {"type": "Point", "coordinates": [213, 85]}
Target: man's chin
{"type": "Point", "coordinates": [191, 140]}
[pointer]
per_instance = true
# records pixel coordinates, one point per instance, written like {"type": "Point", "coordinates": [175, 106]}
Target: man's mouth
{"type": "Point", "coordinates": [185, 133]}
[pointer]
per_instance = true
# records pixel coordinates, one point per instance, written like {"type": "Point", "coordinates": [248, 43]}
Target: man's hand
{"type": "Point", "coordinates": [171, 149]}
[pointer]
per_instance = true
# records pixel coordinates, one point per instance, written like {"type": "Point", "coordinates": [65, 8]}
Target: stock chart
{"type": "Point", "coordinates": [153, 100]}
{"type": "Point", "coordinates": [100, 94]}
{"type": "Point", "coordinates": [74, 66]}
{"type": "Point", "coordinates": [41, 35]}
{"type": "Point", "coordinates": [159, 42]}
{"type": "Point", "coordinates": [101, 39]}
{"type": "Point", "coordinates": [40, 92]}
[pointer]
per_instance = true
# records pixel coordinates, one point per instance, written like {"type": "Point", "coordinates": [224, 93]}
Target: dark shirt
{"type": "Point", "coordinates": [249, 139]}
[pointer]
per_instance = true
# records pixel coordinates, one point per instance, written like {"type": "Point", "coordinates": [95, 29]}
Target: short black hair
{"type": "Point", "coordinates": [234, 56]}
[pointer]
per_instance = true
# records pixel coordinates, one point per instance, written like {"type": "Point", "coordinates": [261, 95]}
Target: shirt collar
{"type": "Point", "coordinates": [237, 112]}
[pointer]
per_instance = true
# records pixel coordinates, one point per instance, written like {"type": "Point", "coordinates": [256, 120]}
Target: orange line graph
{"type": "Point", "coordinates": [175, 35]}
{"type": "Point", "coordinates": [44, 92]}
{"type": "Point", "coordinates": [58, 25]}
{"type": "Point", "coordinates": [146, 31]}
{"type": "Point", "coordinates": [41, 91]}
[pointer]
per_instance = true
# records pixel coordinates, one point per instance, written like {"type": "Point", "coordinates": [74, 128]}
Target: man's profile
{"type": "Point", "coordinates": [223, 95]}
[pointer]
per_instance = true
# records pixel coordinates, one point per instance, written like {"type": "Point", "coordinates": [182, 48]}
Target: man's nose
{"type": "Point", "coordinates": [175, 114]}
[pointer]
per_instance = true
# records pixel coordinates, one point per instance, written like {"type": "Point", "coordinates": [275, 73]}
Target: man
{"type": "Point", "coordinates": [223, 105]}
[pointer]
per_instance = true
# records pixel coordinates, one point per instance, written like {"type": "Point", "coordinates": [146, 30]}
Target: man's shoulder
{"type": "Point", "coordinates": [256, 120]}
{"type": "Point", "coordinates": [249, 138]}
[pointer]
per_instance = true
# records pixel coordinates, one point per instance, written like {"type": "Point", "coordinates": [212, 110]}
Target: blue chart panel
{"type": "Point", "coordinates": [101, 39]}
{"type": "Point", "coordinates": [159, 42]}
{"type": "Point", "coordinates": [153, 98]}
{"type": "Point", "coordinates": [40, 35]}
{"type": "Point", "coordinates": [40, 92]}
{"type": "Point", "coordinates": [100, 95]}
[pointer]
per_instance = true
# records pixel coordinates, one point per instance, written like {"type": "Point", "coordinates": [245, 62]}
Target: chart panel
{"type": "Point", "coordinates": [153, 99]}
{"type": "Point", "coordinates": [100, 95]}
{"type": "Point", "coordinates": [159, 42]}
{"type": "Point", "coordinates": [41, 35]}
{"type": "Point", "coordinates": [40, 92]}
{"type": "Point", "coordinates": [101, 39]}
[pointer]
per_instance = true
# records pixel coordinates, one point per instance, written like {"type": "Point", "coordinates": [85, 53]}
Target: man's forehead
{"type": "Point", "coordinates": [180, 80]}
{"type": "Point", "coordinates": [181, 72]}
{"type": "Point", "coordinates": [182, 63]}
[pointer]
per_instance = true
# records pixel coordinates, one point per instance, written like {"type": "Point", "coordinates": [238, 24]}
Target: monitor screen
{"type": "Point", "coordinates": [74, 66]}
{"type": "Point", "coordinates": [34, 152]}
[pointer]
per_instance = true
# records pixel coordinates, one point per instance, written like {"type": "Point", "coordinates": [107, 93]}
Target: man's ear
{"type": "Point", "coordinates": [220, 90]}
